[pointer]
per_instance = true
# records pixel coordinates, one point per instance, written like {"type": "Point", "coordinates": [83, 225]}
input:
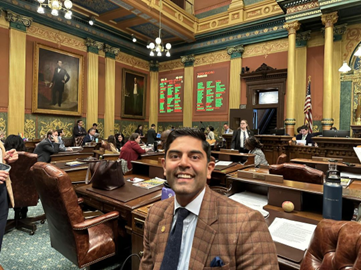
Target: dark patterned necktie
{"type": "Point", "coordinates": [172, 250]}
{"type": "Point", "coordinates": [244, 138]}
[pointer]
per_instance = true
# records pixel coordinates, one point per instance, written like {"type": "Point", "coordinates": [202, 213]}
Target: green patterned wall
{"type": "Point", "coordinates": [345, 105]}
{"type": "Point", "coordinates": [218, 127]}
{"type": "Point", "coordinates": [101, 127]}
{"type": "Point", "coordinates": [168, 125]}
{"type": "Point", "coordinates": [3, 124]}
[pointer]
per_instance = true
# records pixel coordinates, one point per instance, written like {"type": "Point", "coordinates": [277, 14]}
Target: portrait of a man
{"type": "Point", "coordinates": [133, 98]}
{"type": "Point", "coordinates": [57, 81]}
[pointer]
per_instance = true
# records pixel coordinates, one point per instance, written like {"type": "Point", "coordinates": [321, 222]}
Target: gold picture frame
{"type": "Point", "coordinates": [57, 81]}
{"type": "Point", "coordinates": [133, 94]}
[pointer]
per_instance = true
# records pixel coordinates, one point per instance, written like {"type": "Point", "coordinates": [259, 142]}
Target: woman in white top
{"type": "Point", "coordinates": [210, 135]}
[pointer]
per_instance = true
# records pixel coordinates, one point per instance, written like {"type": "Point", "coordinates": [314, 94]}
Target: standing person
{"type": "Point", "coordinates": [254, 146]}
{"type": "Point", "coordinates": [151, 135]}
{"type": "Point", "coordinates": [131, 150]}
{"type": "Point", "coordinates": [6, 192]}
{"type": "Point", "coordinates": [47, 147]}
{"type": "Point", "coordinates": [199, 228]}
{"type": "Point", "coordinates": [139, 130]}
{"type": "Point", "coordinates": [60, 78]}
{"type": "Point", "coordinates": [78, 130]}
{"type": "Point", "coordinates": [226, 129]}
{"type": "Point", "coordinates": [240, 136]}
{"type": "Point", "coordinates": [119, 141]}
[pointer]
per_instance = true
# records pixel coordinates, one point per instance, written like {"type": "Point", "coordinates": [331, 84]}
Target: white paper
{"type": "Point", "coordinates": [358, 152]}
{"type": "Point", "coordinates": [223, 163]}
{"type": "Point", "coordinates": [292, 233]}
{"type": "Point", "coordinates": [350, 175]}
{"type": "Point", "coordinates": [301, 141]}
{"type": "Point", "coordinates": [136, 180]}
{"type": "Point", "coordinates": [252, 200]}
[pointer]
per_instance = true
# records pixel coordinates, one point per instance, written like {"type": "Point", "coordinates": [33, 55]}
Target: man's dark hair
{"type": "Point", "coordinates": [50, 132]}
{"type": "Point", "coordinates": [133, 136]}
{"type": "Point", "coordinates": [14, 142]}
{"type": "Point", "coordinates": [252, 143]}
{"type": "Point", "coordinates": [60, 131]}
{"type": "Point", "coordinates": [95, 124]}
{"type": "Point", "coordinates": [225, 124]}
{"type": "Point", "coordinates": [211, 128]}
{"type": "Point", "coordinates": [299, 129]}
{"type": "Point", "coordinates": [192, 132]}
{"type": "Point", "coordinates": [79, 121]}
{"type": "Point", "coordinates": [304, 127]}
{"type": "Point", "coordinates": [153, 125]}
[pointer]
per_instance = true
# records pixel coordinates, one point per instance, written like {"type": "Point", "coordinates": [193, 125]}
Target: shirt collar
{"type": "Point", "coordinates": [194, 206]}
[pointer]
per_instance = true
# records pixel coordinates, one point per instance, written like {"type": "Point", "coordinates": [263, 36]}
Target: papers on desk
{"type": "Point", "coordinates": [223, 163]}
{"type": "Point", "coordinates": [358, 152]}
{"type": "Point", "coordinates": [292, 233]}
{"type": "Point", "coordinates": [350, 175]}
{"type": "Point", "coordinates": [151, 183]}
{"type": "Point", "coordinates": [252, 200]}
{"type": "Point", "coordinates": [301, 142]}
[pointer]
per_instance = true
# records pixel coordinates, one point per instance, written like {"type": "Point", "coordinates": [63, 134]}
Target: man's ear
{"type": "Point", "coordinates": [210, 168]}
{"type": "Point", "coordinates": [163, 164]}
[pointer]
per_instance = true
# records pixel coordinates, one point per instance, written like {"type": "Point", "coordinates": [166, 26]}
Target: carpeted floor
{"type": "Point", "coordinates": [23, 251]}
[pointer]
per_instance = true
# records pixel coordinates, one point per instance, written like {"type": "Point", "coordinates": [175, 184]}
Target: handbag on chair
{"type": "Point", "coordinates": [106, 174]}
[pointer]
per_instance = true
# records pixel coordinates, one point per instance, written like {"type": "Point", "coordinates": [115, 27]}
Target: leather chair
{"type": "Point", "coordinates": [83, 242]}
{"type": "Point", "coordinates": [282, 159]}
{"type": "Point", "coordinates": [297, 172]}
{"type": "Point", "coordinates": [78, 141]}
{"type": "Point", "coordinates": [25, 193]}
{"type": "Point", "coordinates": [334, 245]}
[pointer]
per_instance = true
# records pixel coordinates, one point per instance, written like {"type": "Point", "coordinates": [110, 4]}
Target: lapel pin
{"type": "Point", "coordinates": [163, 228]}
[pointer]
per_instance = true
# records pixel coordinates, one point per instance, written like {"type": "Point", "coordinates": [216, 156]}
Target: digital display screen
{"type": "Point", "coordinates": [211, 90]}
{"type": "Point", "coordinates": [268, 97]}
{"type": "Point", "coordinates": [171, 94]}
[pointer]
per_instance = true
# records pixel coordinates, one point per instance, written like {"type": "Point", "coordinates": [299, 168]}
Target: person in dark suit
{"type": "Point", "coordinates": [90, 137]}
{"type": "Point", "coordinates": [304, 135]}
{"type": "Point", "coordinates": [47, 147]}
{"type": "Point", "coordinates": [239, 137]}
{"type": "Point", "coordinates": [78, 130]}
{"type": "Point", "coordinates": [151, 135]}
{"type": "Point", "coordinates": [217, 231]}
{"type": "Point", "coordinates": [60, 78]}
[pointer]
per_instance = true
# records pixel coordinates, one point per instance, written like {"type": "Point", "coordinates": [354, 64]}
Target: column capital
{"type": "Point", "coordinates": [338, 31]}
{"type": "Point", "coordinates": [188, 60]}
{"type": "Point", "coordinates": [290, 121]}
{"type": "Point", "coordinates": [302, 38]}
{"type": "Point", "coordinates": [17, 21]}
{"type": "Point", "coordinates": [235, 51]}
{"type": "Point", "coordinates": [292, 27]}
{"type": "Point", "coordinates": [93, 45]}
{"type": "Point", "coordinates": [327, 122]}
{"type": "Point", "coordinates": [153, 66]}
{"type": "Point", "coordinates": [110, 52]}
{"type": "Point", "coordinates": [329, 19]}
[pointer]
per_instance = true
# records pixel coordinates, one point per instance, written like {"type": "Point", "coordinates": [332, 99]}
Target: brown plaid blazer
{"type": "Point", "coordinates": [229, 230]}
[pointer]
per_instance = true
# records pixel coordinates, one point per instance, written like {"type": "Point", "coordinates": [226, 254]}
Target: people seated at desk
{"type": "Point", "coordinates": [90, 137]}
{"type": "Point", "coordinates": [47, 147]}
{"type": "Point", "coordinates": [62, 147]}
{"type": "Point", "coordinates": [78, 130]}
{"type": "Point", "coordinates": [151, 135]}
{"type": "Point", "coordinates": [132, 150]}
{"type": "Point", "coordinates": [210, 135]}
{"type": "Point", "coordinates": [211, 220]}
{"type": "Point", "coordinates": [254, 146]}
{"type": "Point", "coordinates": [112, 143]}
{"type": "Point", "coordinates": [119, 141]}
{"type": "Point", "coordinates": [239, 137]}
{"type": "Point", "coordinates": [226, 129]}
{"type": "Point", "coordinates": [304, 135]}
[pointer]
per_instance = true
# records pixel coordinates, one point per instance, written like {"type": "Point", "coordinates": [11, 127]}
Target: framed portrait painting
{"type": "Point", "coordinates": [57, 81]}
{"type": "Point", "coordinates": [133, 94]}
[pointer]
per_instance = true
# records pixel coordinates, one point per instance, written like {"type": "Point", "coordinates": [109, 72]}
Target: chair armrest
{"type": "Point", "coordinates": [86, 224]}
{"type": "Point", "coordinates": [80, 200]}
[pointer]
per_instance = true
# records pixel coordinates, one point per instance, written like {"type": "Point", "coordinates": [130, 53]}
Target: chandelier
{"type": "Point", "coordinates": [56, 6]}
{"type": "Point", "coordinates": [158, 48]}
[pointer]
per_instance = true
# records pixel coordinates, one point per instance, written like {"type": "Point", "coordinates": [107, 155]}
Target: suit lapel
{"type": "Point", "coordinates": [204, 234]}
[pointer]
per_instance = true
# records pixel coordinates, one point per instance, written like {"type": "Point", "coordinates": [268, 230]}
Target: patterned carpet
{"type": "Point", "coordinates": [23, 251]}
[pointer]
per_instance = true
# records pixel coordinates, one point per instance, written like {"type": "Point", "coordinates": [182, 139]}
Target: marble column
{"type": "Point", "coordinates": [154, 93]}
{"type": "Point", "coordinates": [109, 106]}
{"type": "Point", "coordinates": [188, 62]}
{"type": "Point", "coordinates": [290, 121]}
{"type": "Point", "coordinates": [234, 78]}
{"type": "Point", "coordinates": [328, 20]}
{"type": "Point", "coordinates": [17, 70]}
{"type": "Point", "coordinates": [93, 87]}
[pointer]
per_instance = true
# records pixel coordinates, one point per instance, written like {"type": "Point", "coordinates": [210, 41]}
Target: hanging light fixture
{"type": "Point", "coordinates": [56, 6]}
{"type": "Point", "coordinates": [358, 52]}
{"type": "Point", "coordinates": [134, 39]}
{"type": "Point", "coordinates": [158, 47]}
{"type": "Point", "coordinates": [344, 68]}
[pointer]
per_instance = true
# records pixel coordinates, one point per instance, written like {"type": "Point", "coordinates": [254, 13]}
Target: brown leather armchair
{"type": "Point", "coordinates": [334, 245]}
{"type": "Point", "coordinates": [281, 159]}
{"type": "Point", "coordinates": [83, 242]}
{"type": "Point", "coordinates": [25, 193]}
{"type": "Point", "coordinates": [297, 172]}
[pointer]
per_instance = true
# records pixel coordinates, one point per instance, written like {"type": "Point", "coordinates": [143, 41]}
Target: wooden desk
{"type": "Point", "coordinates": [107, 155]}
{"type": "Point", "coordinates": [235, 157]}
{"type": "Point", "coordinates": [30, 144]}
{"type": "Point", "coordinates": [274, 146]}
{"type": "Point", "coordinates": [69, 156]}
{"type": "Point", "coordinates": [323, 165]}
{"type": "Point", "coordinates": [77, 174]}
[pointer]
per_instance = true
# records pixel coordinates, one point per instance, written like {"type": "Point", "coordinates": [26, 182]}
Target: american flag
{"type": "Point", "coordinates": [307, 109]}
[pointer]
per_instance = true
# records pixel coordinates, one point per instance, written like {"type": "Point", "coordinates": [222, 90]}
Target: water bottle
{"type": "Point", "coordinates": [332, 193]}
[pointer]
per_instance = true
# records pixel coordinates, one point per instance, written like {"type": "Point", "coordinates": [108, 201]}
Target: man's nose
{"type": "Point", "coordinates": [184, 161]}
